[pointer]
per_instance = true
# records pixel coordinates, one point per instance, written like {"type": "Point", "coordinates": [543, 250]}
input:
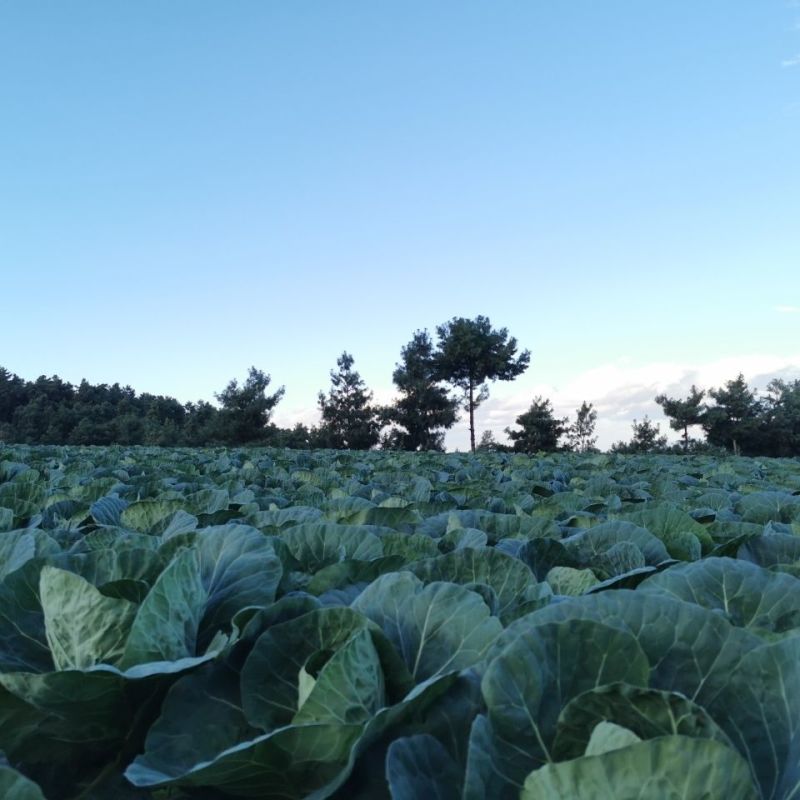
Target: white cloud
{"type": "Point", "coordinates": [622, 392]}
{"type": "Point", "coordinates": [788, 309]}
{"type": "Point", "coordinates": [791, 62]}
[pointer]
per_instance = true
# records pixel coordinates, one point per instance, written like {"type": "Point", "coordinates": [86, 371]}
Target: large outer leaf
{"type": "Point", "coordinates": [24, 497]}
{"type": "Point", "coordinates": [272, 521]}
{"type": "Point", "coordinates": [107, 510]}
{"type": "Point", "coordinates": [649, 713]}
{"type": "Point", "coordinates": [419, 766]}
{"type": "Point", "coordinates": [112, 564]}
{"type": "Point", "coordinates": [15, 786]}
{"type": "Point", "coordinates": [290, 762]}
{"type": "Point", "coordinates": [238, 568]}
{"type": "Point", "coordinates": [508, 576]}
{"type": "Point", "coordinates": [665, 521]}
{"type": "Point", "coordinates": [144, 516]}
{"type": "Point", "coordinates": [571, 582]}
{"type": "Point", "coordinates": [23, 642]}
{"type": "Point", "coordinates": [83, 626]}
{"type": "Point", "coordinates": [758, 706]}
{"type": "Point", "coordinates": [318, 544]}
{"type": "Point", "coordinates": [87, 711]}
{"type": "Point", "coordinates": [308, 761]}
{"type": "Point", "coordinates": [167, 622]}
{"type": "Point", "coordinates": [6, 520]}
{"type": "Point", "coordinates": [352, 573]}
{"type": "Point", "coordinates": [771, 549]}
{"type": "Point", "coordinates": [587, 545]}
{"type": "Point", "coordinates": [402, 519]}
{"type": "Point", "coordinates": [270, 676]}
{"type": "Point", "coordinates": [533, 678]}
{"type": "Point", "coordinates": [436, 628]}
{"type": "Point", "coordinates": [411, 546]}
{"type": "Point", "coordinates": [21, 727]}
{"type": "Point", "coordinates": [403, 717]}
{"type": "Point", "coordinates": [349, 689]}
{"type": "Point", "coordinates": [684, 643]}
{"type": "Point", "coordinates": [16, 547]}
{"type": "Point", "coordinates": [608, 736]}
{"type": "Point", "coordinates": [200, 718]}
{"type": "Point", "coordinates": [748, 595]}
{"type": "Point", "coordinates": [667, 768]}
{"type": "Point", "coordinates": [751, 690]}
{"type": "Point", "coordinates": [763, 507]}
{"type": "Point", "coordinates": [483, 776]}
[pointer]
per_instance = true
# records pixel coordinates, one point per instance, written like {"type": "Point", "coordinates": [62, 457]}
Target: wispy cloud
{"type": "Point", "coordinates": [788, 309]}
{"type": "Point", "coordinates": [794, 61]}
{"type": "Point", "coordinates": [622, 392]}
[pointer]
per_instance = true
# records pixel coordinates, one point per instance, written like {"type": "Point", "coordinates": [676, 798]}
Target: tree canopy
{"type": "Point", "coordinates": [684, 413]}
{"type": "Point", "coordinates": [647, 438]}
{"type": "Point", "coordinates": [469, 353]}
{"type": "Point", "coordinates": [540, 430]}
{"type": "Point", "coordinates": [424, 410]}
{"type": "Point", "coordinates": [580, 434]}
{"type": "Point", "coordinates": [246, 409]}
{"type": "Point", "coordinates": [349, 420]}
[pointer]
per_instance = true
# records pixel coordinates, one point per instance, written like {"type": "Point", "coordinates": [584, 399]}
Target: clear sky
{"type": "Point", "coordinates": [191, 187]}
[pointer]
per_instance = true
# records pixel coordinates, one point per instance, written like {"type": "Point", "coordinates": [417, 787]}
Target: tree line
{"type": "Point", "coordinates": [435, 382]}
{"type": "Point", "coordinates": [737, 420]}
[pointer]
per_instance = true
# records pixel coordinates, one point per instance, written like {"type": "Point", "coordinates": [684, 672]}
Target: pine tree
{"type": "Point", "coordinates": [470, 352]}
{"type": "Point", "coordinates": [349, 420]}
{"type": "Point", "coordinates": [424, 410]}
{"type": "Point", "coordinates": [683, 413]}
{"type": "Point", "coordinates": [580, 434]}
{"type": "Point", "coordinates": [541, 430]}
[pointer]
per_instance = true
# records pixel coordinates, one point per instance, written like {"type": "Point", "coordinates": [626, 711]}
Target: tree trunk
{"type": "Point", "coordinates": [685, 437]}
{"type": "Point", "coordinates": [471, 417]}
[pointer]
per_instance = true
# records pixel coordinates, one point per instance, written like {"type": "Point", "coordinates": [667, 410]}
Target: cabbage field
{"type": "Point", "coordinates": [287, 624]}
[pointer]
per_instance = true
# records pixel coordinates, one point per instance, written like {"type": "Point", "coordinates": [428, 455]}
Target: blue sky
{"type": "Point", "coordinates": [188, 188]}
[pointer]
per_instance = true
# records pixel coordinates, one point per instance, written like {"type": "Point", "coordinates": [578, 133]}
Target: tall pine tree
{"type": "Point", "coordinates": [349, 420]}
{"type": "Point", "coordinates": [424, 410]}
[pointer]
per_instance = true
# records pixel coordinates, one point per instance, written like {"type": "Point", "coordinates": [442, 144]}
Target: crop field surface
{"type": "Point", "coordinates": [209, 623]}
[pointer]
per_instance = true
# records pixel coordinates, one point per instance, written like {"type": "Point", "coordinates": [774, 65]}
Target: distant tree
{"type": "Point", "coordinates": [13, 394]}
{"type": "Point", "coordinates": [780, 428]}
{"type": "Point", "coordinates": [48, 416]}
{"type": "Point", "coordinates": [733, 421]}
{"type": "Point", "coordinates": [683, 413]}
{"type": "Point", "coordinates": [246, 409]}
{"type": "Point", "coordinates": [647, 438]}
{"type": "Point", "coordinates": [297, 438]}
{"type": "Point", "coordinates": [540, 429]}
{"type": "Point", "coordinates": [424, 410]}
{"type": "Point", "coordinates": [580, 434]}
{"type": "Point", "coordinates": [488, 444]}
{"type": "Point", "coordinates": [469, 353]}
{"type": "Point", "coordinates": [201, 425]}
{"type": "Point", "coordinates": [349, 420]}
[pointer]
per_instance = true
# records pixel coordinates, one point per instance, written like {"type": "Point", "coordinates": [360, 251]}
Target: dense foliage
{"type": "Point", "coordinates": [469, 353]}
{"type": "Point", "coordinates": [424, 409]}
{"type": "Point", "coordinates": [539, 429]}
{"type": "Point", "coordinates": [50, 410]}
{"type": "Point", "coordinates": [349, 419]}
{"type": "Point", "coordinates": [739, 420]}
{"type": "Point", "coordinates": [271, 623]}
